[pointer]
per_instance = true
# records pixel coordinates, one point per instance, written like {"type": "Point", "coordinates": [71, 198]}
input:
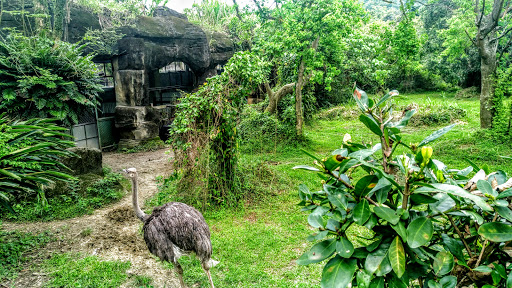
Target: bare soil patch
{"type": "Point", "coordinates": [111, 233]}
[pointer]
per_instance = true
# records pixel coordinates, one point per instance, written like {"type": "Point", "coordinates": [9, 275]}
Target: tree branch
{"type": "Point", "coordinates": [505, 48]}
{"type": "Point", "coordinates": [275, 97]}
{"type": "Point", "coordinates": [461, 237]}
{"type": "Point", "coordinates": [237, 10]}
{"type": "Point", "coordinates": [472, 41]}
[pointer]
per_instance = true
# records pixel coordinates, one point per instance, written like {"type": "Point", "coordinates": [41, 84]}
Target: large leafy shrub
{"type": "Point", "coordinates": [408, 221]}
{"type": "Point", "coordinates": [30, 153]}
{"type": "Point", "coordinates": [46, 78]}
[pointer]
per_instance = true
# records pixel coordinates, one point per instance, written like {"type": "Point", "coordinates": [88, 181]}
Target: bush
{"type": "Point", "coordinates": [434, 115]}
{"type": "Point", "coordinates": [408, 219]}
{"type": "Point", "coordinates": [470, 92]}
{"type": "Point", "coordinates": [46, 78]}
{"type": "Point", "coordinates": [30, 158]}
{"type": "Point", "coordinates": [262, 131]}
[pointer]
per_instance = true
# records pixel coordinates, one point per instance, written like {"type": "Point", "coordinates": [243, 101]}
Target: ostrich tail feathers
{"type": "Point", "coordinates": [212, 263]}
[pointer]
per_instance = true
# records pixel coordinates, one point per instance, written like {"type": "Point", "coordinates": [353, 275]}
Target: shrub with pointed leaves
{"type": "Point", "coordinates": [411, 221]}
{"type": "Point", "coordinates": [30, 153]}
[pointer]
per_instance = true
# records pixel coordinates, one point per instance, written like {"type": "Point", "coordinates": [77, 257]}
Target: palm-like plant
{"type": "Point", "coordinates": [30, 153]}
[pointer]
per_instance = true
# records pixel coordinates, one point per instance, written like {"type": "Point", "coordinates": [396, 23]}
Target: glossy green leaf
{"type": "Point", "coordinates": [500, 269]}
{"type": "Point", "coordinates": [419, 232]}
{"type": "Point", "coordinates": [365, 185]}
{"type": "Point", "coordinates": [418, 199]}
{"type": "Point", "coordinates": [486, 188]}
{"type": "Point", "coordinates": [361, 212]}
{"type": "Point", "coordinates": [400, 229]}
{"type": "Point", "coordinates": [504, 212]}
{"type": "Point", "coordinates": [496, 232]}
{"type": "Point", "coordinates": [338, 272]}
{"type": "Point", "coordinates": [369, 122]}
{"type": "Point", "coordinates": [381, 190]}
{"type": "Point", "coordinates": [436, 135]}
{"type": "Point", "coordinates": [316, 220]}
{"type": "Point", "coordinates": [434, 284]}
{"type": "Point", "coordinates": [339, 200]}
{"type": "Point", "coordinates": [347, 164]}
{"type": "Point", "coordinates": [363, 279]}
{"type": "Point", "coordinates": [504, 194]}
{"type": "Point", "coordinates": [443, 263]}
{"type": "Point", "coordinates": [319, 252]}
{"type": "Point", "coordinates": [387, 214]}
{"type": "Point", "coordinates": [377, 282]}
{"type": "Point", "coordinates": [483, 269]}
{"type": "Point", "coordinates": [509, 280]}
{"type": "Point", "coordinates": [448, 282]}
{"type": "Point", "coordinates": [396, 255]}
{"type": "Point", "coordinates": [453, 245]}
{"type": "Point", "coordinates": [457, 191]}
{"type": "Point", "coordinates": [377, 262]}
{"type": "Point", "coordinates": [344, 248]}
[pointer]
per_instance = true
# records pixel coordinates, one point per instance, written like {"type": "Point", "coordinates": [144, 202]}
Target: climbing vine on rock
{"type": "Point", "coordinates": [204, 136]}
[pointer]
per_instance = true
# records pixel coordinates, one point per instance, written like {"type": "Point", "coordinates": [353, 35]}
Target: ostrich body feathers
{"type": "Point", "coordinates": [176, 229]}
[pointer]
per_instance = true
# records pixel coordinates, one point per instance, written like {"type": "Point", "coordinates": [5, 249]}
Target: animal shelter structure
{"type": "Point", "coordinates": [143, 74]}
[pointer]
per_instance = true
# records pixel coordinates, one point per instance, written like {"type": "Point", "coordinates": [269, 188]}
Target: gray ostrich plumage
{"type": "Point", "coordinates": [173, 230]}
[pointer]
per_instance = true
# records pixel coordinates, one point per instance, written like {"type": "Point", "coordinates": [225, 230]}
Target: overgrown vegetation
{"type": "Point", "coordinates": [72, 199]}
{"type": "Point", "coordinates": [393, 207]}
{"type": "Point", "coordinates": [14, 247]}
{"type": "Point", "coordinates": [204, 132]}
{"type": "Point", "coordinates": [46, 78]}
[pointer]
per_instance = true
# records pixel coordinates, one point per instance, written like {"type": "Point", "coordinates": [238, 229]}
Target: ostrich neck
{"type": "Point", "coordinates": [140, 214]}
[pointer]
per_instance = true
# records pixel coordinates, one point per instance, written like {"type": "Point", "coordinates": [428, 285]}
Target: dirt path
{"type": "Point", "coordinates": [113, 232]}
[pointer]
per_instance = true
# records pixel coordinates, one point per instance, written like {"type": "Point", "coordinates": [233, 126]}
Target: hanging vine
{"type": "Point", "coordinates": [204, 135]}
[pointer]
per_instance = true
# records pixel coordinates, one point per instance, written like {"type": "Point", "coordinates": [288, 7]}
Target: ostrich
{"type": "Point", "coordinates": [173, 230]}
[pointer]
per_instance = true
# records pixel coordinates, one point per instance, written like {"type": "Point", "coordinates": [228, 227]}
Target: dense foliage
{"type": "Point", "coordinates": [204, 136]}
{"type": "Point", "coordinates": [30, 153]}
{"type": "Point", "coordinates": [407, 221]}
{"type": "Point", "coordinates": [46, 78]}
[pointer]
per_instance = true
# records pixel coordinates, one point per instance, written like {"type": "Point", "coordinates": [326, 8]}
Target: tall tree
{"type": "Point", "coordinates": [309, 32]}
{"type": "Point", "coordinates": [489, 21]}
{"type": "Point", "coordinates": [486, 25]}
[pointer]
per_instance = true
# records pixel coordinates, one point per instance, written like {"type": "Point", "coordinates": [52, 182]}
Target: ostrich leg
{"type": "Point", "coordinates": [209, 277]}
{"type": "Point", "coordinates": [179, 270]}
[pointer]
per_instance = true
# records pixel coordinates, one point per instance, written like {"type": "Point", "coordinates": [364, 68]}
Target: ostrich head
{"type": "Point", "coordinates": [131, 172]}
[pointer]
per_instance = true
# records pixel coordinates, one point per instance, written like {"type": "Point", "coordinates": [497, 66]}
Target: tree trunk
{"type": "Point", "coordinates": [298, 99]}
{"type": "Point", "coordinates": [299, 113]}
{"type": "Point", "coordinates": [487, 49]}
{"type": "Point", "coordinates": [275, 97]}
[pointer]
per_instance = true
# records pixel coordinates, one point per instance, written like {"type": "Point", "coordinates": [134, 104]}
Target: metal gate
{"type": "Point", "coordinates": [86, 135]}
